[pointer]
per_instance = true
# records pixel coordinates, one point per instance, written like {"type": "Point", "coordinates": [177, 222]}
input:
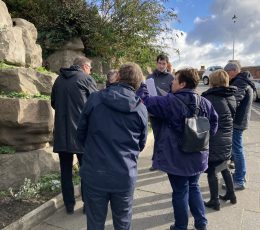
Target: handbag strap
{"type": "Point", "coordinates": [197, 101]}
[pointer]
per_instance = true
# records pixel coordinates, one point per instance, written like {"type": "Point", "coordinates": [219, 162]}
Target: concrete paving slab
{"type": "Point", "coordinates": [250, 220]}
{"type": "Point", "coordinates": [152, 208]}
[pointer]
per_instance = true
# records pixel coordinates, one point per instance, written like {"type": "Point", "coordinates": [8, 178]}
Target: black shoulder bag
{"type": "Point", "coordinates": [196, 131]}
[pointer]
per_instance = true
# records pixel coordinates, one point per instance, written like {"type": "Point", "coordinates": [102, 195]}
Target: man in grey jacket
{"type": "Point", "coordinates": [162, 81]}
{"type": "Point", "coordinates": [244, 98]}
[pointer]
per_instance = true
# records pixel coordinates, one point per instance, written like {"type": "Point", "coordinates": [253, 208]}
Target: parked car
{"type": "Point", "coordinates": [208, 71]}
{"type": "Point", "coordinates": [257, 91]}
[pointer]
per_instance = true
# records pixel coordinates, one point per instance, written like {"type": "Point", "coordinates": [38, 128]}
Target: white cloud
{"type": "Point", "coordinates": [210, 43]}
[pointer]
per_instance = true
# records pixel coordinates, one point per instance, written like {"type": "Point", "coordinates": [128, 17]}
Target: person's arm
{"type": "Point", "coordinates": [53, 95]}
{"type": "Point", "coordinates": [92, 85]}
{"type": "Point", "coordinates": [143, 136]}
{"type": "Point", "coordinates": [82, 128]}
{"type": "Point", "coordinates": [213, 120]}
{"type": "Point", "coordinates": [158, 106]}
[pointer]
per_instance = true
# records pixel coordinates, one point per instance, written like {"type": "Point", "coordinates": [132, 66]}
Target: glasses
{"type": "Point", "coordinates": [89, 66]}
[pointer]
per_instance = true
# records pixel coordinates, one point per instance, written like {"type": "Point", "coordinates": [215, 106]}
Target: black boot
{"type": "Point", "coordinates": [230, 194]}
{"type": "Point", "coordinates": [213, 188]}
{"type": "Point", "coordinates": [214, 204]}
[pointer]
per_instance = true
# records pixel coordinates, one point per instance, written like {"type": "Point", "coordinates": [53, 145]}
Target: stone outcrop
{"type": "Point", "coordinates": [18, 41]}
{"type": "Point", "coordinates": [33, 51]}
{"type": "Point", "coordinates": [65, 56]}
{"type": "Point", "coordinates": [12, 49]}
{"type": "Point", "coordinates": [25, 124]}
{"type": "Point", "coordinates": [26, 80]}
{"type": "Point", "coordinates": [33, 164]}
{"type": "Point", "coordinates": [5, 18]}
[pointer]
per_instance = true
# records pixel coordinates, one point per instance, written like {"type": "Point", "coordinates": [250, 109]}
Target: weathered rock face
{"type": "Point", "coordinates": [25, 80]}
{"type": "Point", "coordinates": [33, 51]}
{"type": "Point", "coordinates": [12, 49]}
{"type": "Point", "coordinates": [65, 56]}
{"type": "Point", "coordinates": [34, 164]}
{"type": "Point", "coordinates": [25, 124]}
{"type": "Point", "coordinates": [18, 43]}
{"type": "Point", "coordinates": [62, 58]}
{"type": "Point", "coordinates": [5, 18]}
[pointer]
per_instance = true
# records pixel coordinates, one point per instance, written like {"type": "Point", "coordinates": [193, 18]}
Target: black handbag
{"type": "Point", "coordinates": [196, 133]}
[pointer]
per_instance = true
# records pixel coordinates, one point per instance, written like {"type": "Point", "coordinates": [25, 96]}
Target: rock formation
{"type": "Point", "coordinates": [18, 41]}
{"type": "Point", "coordinates": [25, 124]}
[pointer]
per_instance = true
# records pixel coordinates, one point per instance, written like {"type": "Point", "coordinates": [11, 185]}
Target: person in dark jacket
{"type": "Point", "coordinates": [221, 95]}
{"type": "Point", "coordinates": [244, 99]}
{"type": "Point", "coordinates": [112, 77]}
{"type": "Point", "coordinates": [162, 81]}
{"type": "Point", "coordinates": [113, 129]}
{"type": "Point", "coordinates": [69, 94]}
{"type": "Point", "coordinates": [183, 169]}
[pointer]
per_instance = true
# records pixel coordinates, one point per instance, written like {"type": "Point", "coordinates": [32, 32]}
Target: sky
{"type": "Point", "coordinates": [208, 32]}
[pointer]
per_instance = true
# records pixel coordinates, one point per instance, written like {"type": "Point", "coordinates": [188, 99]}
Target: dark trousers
{"type": "Point", "coordinates": [66, 164]}
{"type": "Point", "coordinates": [212, 172]}
{"type": "Point", "coordinates": [186, 193]}
{"type": "Point", "coordinates": [97, 205]}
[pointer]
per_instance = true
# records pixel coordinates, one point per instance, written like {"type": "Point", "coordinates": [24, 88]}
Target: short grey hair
{"type": "Point", "coordinates": [232, 66]}
{"type": "Point", "coordinates": [80, 61]}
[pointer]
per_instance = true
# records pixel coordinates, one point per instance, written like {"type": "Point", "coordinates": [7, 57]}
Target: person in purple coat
{"type": "Point", "coordinates": [183, 169]}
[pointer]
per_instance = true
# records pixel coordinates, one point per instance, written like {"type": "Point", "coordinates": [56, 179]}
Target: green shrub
{"type": "Point", "coordinates": [50, 182]}
{"type": "Point", "coordinates": [99, 78]}
{"type": "Point", "coordinates": [27, 191]}
{"type": "Point", "coordinates": [7, 150]}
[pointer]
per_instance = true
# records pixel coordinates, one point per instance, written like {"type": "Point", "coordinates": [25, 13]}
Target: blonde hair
{"type": "Point", "coordinates": [219, 78]}
{"type": "Point", "coordinates": [131, 73]}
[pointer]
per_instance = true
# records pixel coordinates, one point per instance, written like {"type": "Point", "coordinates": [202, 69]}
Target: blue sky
{"type": "Point", "coordinates": [208, 32]}
{"type": "Point", "coordinates": [188, 10]}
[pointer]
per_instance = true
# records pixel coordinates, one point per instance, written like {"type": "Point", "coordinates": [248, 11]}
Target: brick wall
{"type": "Point", "coordinates": [254, 70]}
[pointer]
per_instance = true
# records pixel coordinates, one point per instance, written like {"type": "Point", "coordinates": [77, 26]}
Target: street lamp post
{"type": "Point", "coordinates": [234, 18]}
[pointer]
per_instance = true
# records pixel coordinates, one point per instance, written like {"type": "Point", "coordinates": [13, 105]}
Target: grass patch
{"type": "Point", "coordinates": [6, 66]}
{"type": "Point", "coordinates": [43, 70]}
{"type": "Point", "coordinates": [23, 95]}
{"type": "Point", "coordinates": [7, 150]}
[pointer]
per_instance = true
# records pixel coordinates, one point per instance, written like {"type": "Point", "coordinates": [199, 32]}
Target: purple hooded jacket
{"type": "Point", "coordinates": [169, 157]}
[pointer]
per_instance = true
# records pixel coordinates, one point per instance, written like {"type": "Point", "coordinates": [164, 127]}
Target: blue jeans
{"type": "Point", "coordinates": [97, 205]}
{"type": "Point", "coordinates": [239, 157]}
{"type": "Point", "coordinates": [186, 193]}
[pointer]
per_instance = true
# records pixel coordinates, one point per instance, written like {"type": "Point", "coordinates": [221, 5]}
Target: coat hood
{"type": "Point", "coordinates": [244, 76]}
{"type": "Point", "coordinates": [120, 97]}
{"type": "Point", "coordinates": [221, 91]}
{"type": "Point", "coordinates": [69, 72]}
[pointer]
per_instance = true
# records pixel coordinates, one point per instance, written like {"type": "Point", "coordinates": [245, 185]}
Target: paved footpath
{"type": "Point", "coordinates": [152, 205]}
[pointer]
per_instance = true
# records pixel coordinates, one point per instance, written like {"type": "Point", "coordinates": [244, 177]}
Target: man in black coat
{"type": "Point", "coordinates": [69, 94]}
{"type": "Point", "coordinates": [244, 98]}
{"type": "Point", "coordinates": [162, 81]}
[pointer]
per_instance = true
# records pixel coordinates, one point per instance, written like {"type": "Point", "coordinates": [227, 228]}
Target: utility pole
{"type": "Point", "coordinates": [234, 18]}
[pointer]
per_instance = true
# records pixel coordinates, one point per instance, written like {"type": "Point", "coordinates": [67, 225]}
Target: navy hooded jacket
{"type": "Point", "coordinates": [169, 157]}
{"type": "Point", "coordinates": [113, 129]}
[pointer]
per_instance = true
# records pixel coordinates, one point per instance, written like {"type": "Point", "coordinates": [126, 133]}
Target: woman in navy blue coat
{"type": "Point", "coordinates": [183, 169]}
